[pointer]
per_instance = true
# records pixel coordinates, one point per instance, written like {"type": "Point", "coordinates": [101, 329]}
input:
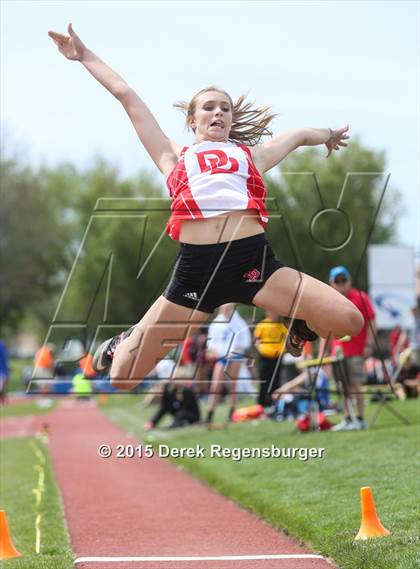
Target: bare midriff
{"type": "Point", "coordinates": [224, 227]}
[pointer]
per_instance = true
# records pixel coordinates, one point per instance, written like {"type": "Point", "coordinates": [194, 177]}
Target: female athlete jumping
{"type": "Point", "coordinates": [218, 215]}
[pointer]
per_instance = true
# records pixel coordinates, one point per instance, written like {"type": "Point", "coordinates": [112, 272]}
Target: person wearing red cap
{"type": "Point", "coordinates": [355, 348]}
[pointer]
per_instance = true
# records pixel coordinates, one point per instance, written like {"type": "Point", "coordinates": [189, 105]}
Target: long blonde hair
{"type": "Point", "coordinates": [249, 123]}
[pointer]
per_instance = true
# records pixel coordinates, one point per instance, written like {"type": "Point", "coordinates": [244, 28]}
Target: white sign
{"type": "Point", "coordinates": [391, 274]}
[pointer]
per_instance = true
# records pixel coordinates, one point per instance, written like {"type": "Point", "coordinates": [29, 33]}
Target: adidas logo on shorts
{"type": "Point", "coordinates": [252, 275]}
{"type": "Point", "coordinates": [191, 295]}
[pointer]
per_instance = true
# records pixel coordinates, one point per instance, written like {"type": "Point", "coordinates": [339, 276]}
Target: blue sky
{"type": "Point", "coordinates": [316, 63]}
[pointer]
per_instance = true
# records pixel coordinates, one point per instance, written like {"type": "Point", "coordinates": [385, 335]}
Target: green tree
{"type": "Point", "coordinates": [96, 242]}
{"type": "Point", "coordinates": [34, 234]}
{"type": "Point", "coordinates": [124, 258]}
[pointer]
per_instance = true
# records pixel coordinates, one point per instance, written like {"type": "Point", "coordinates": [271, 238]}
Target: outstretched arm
{"type": "Point", "coordinates": [163, 151]}
{"type": "Point", "coordinates": [291, 386]}
{"type": "Point", "coordinates": [272, 152]}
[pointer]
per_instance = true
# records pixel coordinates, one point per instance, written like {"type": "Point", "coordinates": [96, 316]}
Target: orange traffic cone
{"type": "Point", "coordinates": [371, 525]}
{"type": "Point", "coordinates": [103, 398]}
{"type": "Point", "coordinates": [7, 549]}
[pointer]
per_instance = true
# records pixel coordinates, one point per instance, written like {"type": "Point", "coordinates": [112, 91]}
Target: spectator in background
{"type": "Point", "coordinates": [194, 353]}
{"type": "Point", "coordinates": [228, 340]}
{"type": "Point", "coordinates": [160, 374]}
{"type": "Point", "coordinates": [81, 386]}
{"type": "Point", "coordinates": [4, 371]}
{"type": "Point", "coordinates": [187, 351]}
{"type": "Point", "coordinates": [178, 399]}
{"type": "Point", "coordinates": [86, 366]}
{"type": "Point", "coordinates": [245, 382]}
{"type": "Point", "coordinates": [270, 338]}
{"type": "Point", "coordinates": [44, 362]}
{"type": "Point", "coordinates": [415, 336]}
{"type": "Point", "coordinates": [354, 349]}
{"type": "Point", "coordinates": [204, 366]}
{"type": "Point", "coordinates": [397, 343]}
{"type": "Point", "coordinates": [408, 380]}
{"type": "Point", "coordinates": [299, 392]}
{"type": "Point", "coordinates": [377, 371]}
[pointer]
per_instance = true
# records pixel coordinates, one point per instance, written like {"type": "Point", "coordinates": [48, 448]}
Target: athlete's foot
{"type": "Point", "coordinates": [294, 345]}
{"type": "Point", "coordinates": [298, 335]}
{"type": "Point", "coordinates": [104, 355]}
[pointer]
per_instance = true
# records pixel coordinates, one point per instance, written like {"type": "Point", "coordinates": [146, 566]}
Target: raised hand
{"type": "Point", "coordinates": [337, 138]}
{"type": "Point", "coordinates": [70, 46]}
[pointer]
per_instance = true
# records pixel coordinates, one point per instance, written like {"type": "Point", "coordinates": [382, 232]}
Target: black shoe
{"type": "Point", "coordinates": [299, 333]}
{"type": "Point", "coordinates": [102, 359]}
{"type": "Point", "coordinates": [301, 328]}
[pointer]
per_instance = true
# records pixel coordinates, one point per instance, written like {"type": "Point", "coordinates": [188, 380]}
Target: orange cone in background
{"type": "Point", "coordinates": [103, 398]}
{"type": "Point", "coordinates": [371, 525]}
{"type": "Point", "coordinates": [248, 413]}
{"type": "Point", "coordinates": [7, 549]}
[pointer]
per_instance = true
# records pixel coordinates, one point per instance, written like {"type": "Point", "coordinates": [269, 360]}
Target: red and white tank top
{"type": "Point", "coordinates": [212, 178]}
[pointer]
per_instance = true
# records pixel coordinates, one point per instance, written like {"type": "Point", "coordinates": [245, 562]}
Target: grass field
{"type": "Point", "coordinates": [20, 471]}
{"type": "Point", "coordinates": [16, 373]}
{"type": "Point", "coordinates": [29, 407]}
{"type": "Point", "coordinates": [315, 501]}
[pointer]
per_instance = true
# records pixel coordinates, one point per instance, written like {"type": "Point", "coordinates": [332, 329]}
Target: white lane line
{"type": "Point", "coordinates": [210, 558]}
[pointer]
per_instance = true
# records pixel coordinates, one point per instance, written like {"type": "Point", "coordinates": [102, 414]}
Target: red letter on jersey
{"type": "Point", "coordinates": [217, 162]}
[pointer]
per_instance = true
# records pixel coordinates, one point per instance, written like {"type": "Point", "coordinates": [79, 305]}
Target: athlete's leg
{"type": "Point", "coordinates": [164, 325]}
{"type": "Point", "coordinates": [326, 311]}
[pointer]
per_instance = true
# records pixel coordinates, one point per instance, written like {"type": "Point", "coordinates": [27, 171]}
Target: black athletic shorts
{"type": "Point", "coordinates": [207, 276]}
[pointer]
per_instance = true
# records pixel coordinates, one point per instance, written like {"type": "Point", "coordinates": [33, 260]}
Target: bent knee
{"type": "Point", "coordinates": [354, 321]}
{"type": "Point", "coordinates": [124, 384]}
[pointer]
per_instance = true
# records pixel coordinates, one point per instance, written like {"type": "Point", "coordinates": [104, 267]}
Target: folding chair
{"type": "Point", "coordinates": [383, 395]}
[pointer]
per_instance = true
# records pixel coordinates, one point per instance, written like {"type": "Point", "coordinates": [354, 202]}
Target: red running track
{"type": "Point", "coordinates": [149, 508]}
